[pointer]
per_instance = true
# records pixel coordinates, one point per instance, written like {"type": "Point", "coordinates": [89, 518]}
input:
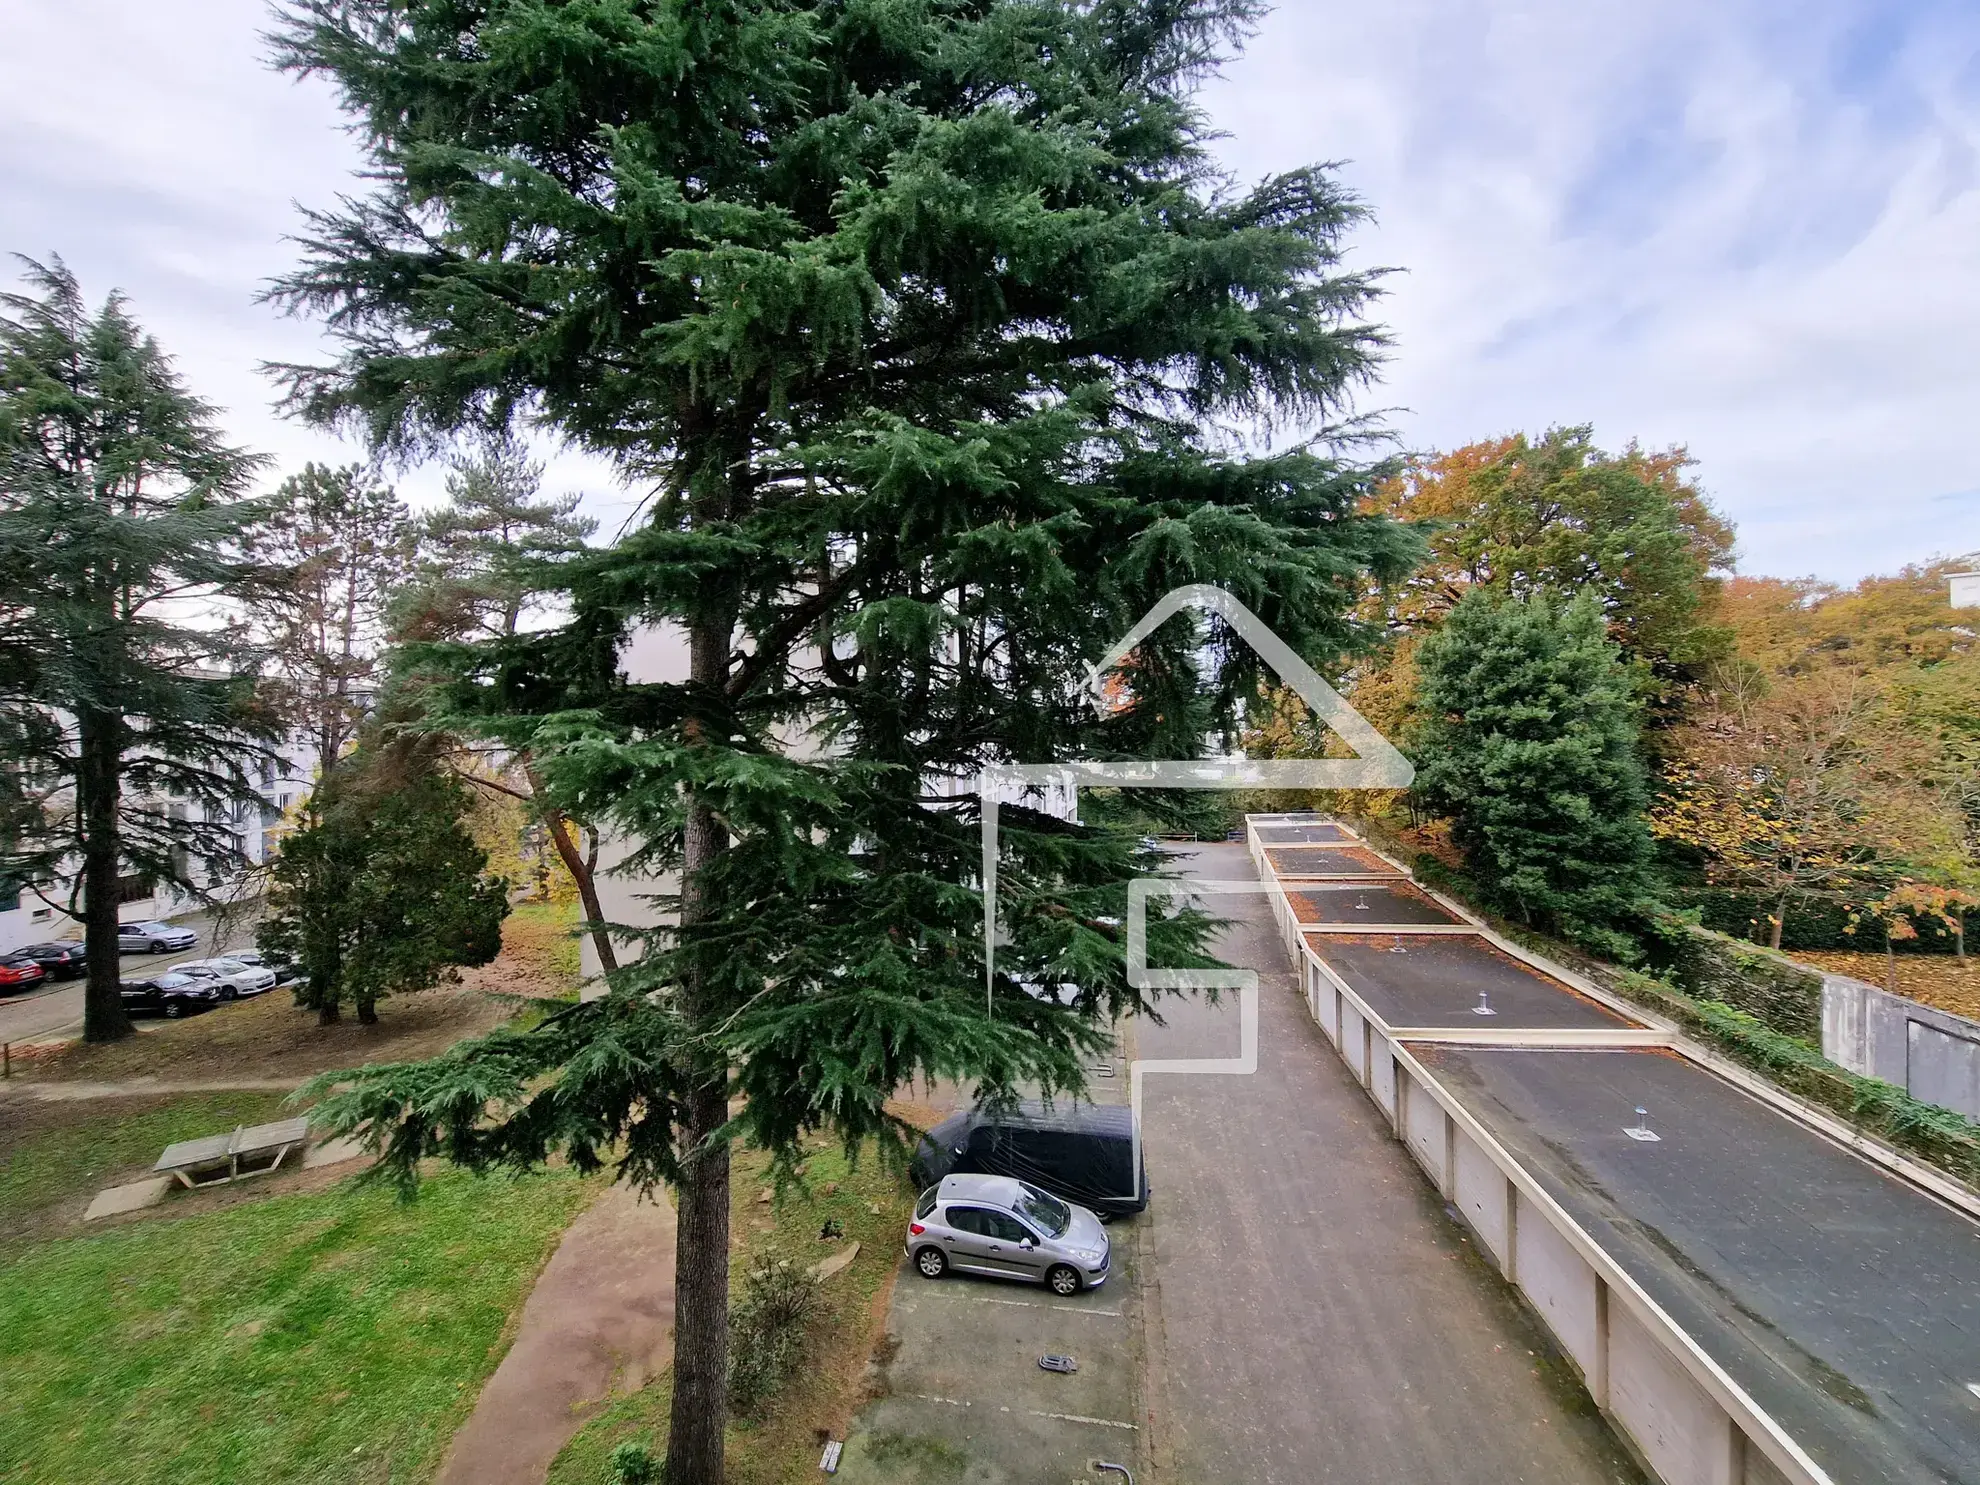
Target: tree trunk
{"type": "Point", "coordinates": [701, 1250]}
{"type": "Point", "coordinates": [367, 1012]}
{"type": "Point", "coordinates": [1959, 936]}
{"type": "Point", "coordinates": [97, 787]}
{"type": "Point", "coordinates": [328, 1013]}
{"type": "Point", "coordinates": [577, 866]}
{"type": "Point", "coordinates": [1780, 922]}
{"type": "Point", "coordinates": [1890, 963]}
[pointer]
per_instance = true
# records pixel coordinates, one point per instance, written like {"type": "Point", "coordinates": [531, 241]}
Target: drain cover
{"type": "Point", "coordinates": [1058, 1364]}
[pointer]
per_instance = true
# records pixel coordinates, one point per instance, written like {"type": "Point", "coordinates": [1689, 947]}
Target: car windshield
{"type": "Point", "coordinates": [173, 981]}
{"type": "Point", "coordinates": [1047, 1211]}
{"type": "Point", "coordinates": [227, 966]}
{"type": "Point", "coordinates": [154, 927]}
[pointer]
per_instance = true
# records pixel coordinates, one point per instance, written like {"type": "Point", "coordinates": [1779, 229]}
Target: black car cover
{"type": "Point", "coordinates": [1082, 1153]}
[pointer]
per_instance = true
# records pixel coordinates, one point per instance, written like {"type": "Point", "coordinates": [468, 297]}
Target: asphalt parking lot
{"type": "Point", "coordinates": [53, 1010]}
{"type": "Point", "coordinates": [964, 1401]}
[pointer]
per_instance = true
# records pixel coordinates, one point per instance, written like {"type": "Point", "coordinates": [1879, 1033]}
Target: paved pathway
{"type": "Point", "coordinates": [599, 1322]}
{"type": "Point", "coordinates": [1316, 1317]}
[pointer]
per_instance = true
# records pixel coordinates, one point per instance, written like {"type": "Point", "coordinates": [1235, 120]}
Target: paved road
{"type": "Point", "coordinates": [1317, 1317]}
{"type": "Point", "coordinates": [54, 1009]}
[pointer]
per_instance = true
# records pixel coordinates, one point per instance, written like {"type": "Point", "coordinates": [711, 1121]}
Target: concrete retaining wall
{"type": "Point", "coordinates": [1933, 1055]}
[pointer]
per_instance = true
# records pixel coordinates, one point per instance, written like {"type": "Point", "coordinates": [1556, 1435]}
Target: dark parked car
{"type": "Point", "coordinates": [1082, 1154]}
{"type": "Point", "coordinates": [18, 973]}
{"type": "Point", "coordinates": [64, 961]}
{"type": "Point", "coordinates": [171, 995]}
{"type": "Point", "coordinates": [153, 938]}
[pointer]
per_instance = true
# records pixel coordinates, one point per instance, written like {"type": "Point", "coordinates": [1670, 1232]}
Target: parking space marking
{"type": "Point", "coordinates": [1023, 1304]}
{"type": "Point", "coordinates": [961, 1402]}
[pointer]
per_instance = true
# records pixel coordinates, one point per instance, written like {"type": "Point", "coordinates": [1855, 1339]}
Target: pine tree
{"type": "Point", "coordinates": [925, 323]}
{"type": "Point", "coordinates": [384, 889]}
{"type": "Point", "coordinates": [491, 564]}
{"type": "Point", "coordinates": [344, 544]}
{"type": "Point", "coordinates": [1529, 744]}
{"type": "Point", "coordinates": [122, 522]}
{"type": "Point", "coordinates": [488, 547]}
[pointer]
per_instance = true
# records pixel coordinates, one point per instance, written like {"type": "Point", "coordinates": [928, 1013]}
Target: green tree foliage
{"type": "Point", "coordinates": [1561, 517]}
{"type": "Point", "coordinates": [1528, 743]}
{"type": "Point", "coordinates": [491, 550]}
{"type": "Point", "coordinates": [383, 890]}
{"type": "Point", "coordinates": [491, 567]}
{"type": "Point", "coordinates": [923, 324]}
{"type": "Point", "coordinates": [344, 544]}
{"type": "Point", "coordinates": [128, 712]}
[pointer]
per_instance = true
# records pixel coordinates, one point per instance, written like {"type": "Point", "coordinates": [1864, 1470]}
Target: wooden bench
{"type": "Point", "coordinates": [251, 1150]}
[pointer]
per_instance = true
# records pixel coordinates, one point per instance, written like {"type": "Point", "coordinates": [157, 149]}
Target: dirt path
{"type": "Point", "coordinates": [40, 1092]}
{"type": "Point", "coordinates": [599, 1322]}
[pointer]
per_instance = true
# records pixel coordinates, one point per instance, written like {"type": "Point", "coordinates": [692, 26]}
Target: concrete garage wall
{"type": "Point", "coordinates": [1480, 1191]}
{"type": "Point", "coordinates": [1687, 1420]}
{"type": "Point", "coordinates": [1933, 1055]}
{"type": "Point", "coordinates": [1561, 1288]}
{"type": "Point", "coordinates": [1683, 1433]}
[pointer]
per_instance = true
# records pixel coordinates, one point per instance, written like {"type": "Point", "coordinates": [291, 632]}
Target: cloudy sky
{"type": "Point", "coordinates": [1751, 227]}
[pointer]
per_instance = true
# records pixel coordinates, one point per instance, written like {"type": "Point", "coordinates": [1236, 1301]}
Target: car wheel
{"type": "Point", "coordinates": [173, 1010]}
{"type": "Point", "coordinates": [931, 1263]}
{"type": "Point", "coordinates": [227, 992]}
{"type": "Point", "coordinates": [1062, 1279]}
{"type": "Point", "coordinates": [160, 948]}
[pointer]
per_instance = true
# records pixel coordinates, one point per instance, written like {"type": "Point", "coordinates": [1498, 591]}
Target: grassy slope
{"type": "Point", "coordinates": [783, 1444]}
{"type": "Point", "coordinates": [334, 1337]}
{"type": "Point", "coordinates": [56, 1155]}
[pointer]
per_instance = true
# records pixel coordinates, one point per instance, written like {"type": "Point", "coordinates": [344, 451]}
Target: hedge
{"type": "Point", "coordinates": [1817, 923]}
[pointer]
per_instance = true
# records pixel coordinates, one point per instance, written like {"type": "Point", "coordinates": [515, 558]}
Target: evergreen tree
{"type": "Point", "coordinates": [344, 544]}
{"type": "Point", "coordinates": [1528, 744]}
{"type": "Point", "coordinates": [131, 722]}
{"type": "Point", "coordinates": [492, 563]}
{"type": "Point", "coordinates": [488, 547]}
{"type": "Point", "coordinates": [925, 321]}
{"type": "Point", "coordinates": [384, 889]}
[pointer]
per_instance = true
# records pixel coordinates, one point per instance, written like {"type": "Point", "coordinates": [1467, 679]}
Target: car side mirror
{"type": "Point", "coordinates": [1026, 1244]}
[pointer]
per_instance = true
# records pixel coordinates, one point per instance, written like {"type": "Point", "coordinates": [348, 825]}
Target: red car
{"type": "Point", "coordinates": [18, 974]}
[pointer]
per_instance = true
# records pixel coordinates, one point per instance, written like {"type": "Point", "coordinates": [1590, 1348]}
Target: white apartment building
{"type": "Point", "coordinates": [28, 917]}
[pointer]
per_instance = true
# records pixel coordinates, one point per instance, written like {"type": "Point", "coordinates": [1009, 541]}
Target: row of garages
{"type": "Point", "coordinates": [1750, 1292]}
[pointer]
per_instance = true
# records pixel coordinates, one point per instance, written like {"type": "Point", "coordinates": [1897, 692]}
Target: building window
{"type": "Point", "coordinates": [284, 801]}
{"type": "Point", "coordinates": [41, 915]}
{"type": "Point", "coordinates": [267, 773]}
{"type": "Point", "coordinates": [133, 887]}
{"type": "Point", "coordinates": [10, 898]}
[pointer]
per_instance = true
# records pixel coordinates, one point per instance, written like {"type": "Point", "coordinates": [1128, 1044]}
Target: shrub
{"type": "Point", "coordinates": [634, 1464]}
{"type": "Point", "coordinates": [767, 1333]}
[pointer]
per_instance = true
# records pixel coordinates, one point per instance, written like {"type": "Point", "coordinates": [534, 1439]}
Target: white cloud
{"type": "Point", "coordinates": [1750, 229]}
{"type": "Point", "coordinates": [1748, 226]}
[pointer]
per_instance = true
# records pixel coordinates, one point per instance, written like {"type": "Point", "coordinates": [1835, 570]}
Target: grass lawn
{"type": "Point", "coordinates": [56, 1156]}
{"type": "Point", "coordinates": [820, 1399]}
{"type": "Point", "coordinates": [336, 1336]}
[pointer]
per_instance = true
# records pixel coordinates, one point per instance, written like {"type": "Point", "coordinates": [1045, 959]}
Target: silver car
{"type": "Point", "coordinates": [1005, 1228]}
{"type": "Point", "coordinates": [233, 976]}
